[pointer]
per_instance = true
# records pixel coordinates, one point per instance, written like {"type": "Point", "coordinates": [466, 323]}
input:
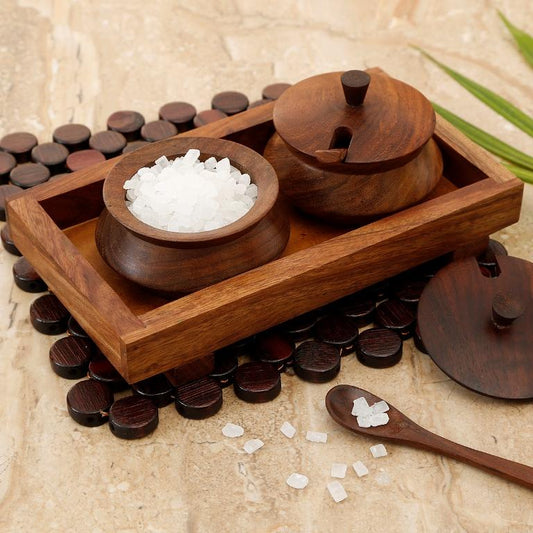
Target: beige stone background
{"type": "Point", "coordinates": [79, 61]}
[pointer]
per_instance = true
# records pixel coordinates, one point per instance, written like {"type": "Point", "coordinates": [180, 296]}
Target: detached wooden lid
{"type": "Point", "coordinates": [364, 119]}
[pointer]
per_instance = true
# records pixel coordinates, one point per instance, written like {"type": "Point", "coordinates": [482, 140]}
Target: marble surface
{"type": "Point", "coordinates": [68, 60]}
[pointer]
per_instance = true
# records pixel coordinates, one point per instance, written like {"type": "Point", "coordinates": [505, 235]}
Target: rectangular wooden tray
{"type": "Point", "coordinates": [142, 334]}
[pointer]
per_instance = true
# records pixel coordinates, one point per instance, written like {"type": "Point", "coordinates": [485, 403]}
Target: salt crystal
{"type": "Point", "coordinates": [361, 407]}
{"type": "Point", "coordinates": [210, 164]}
{"type": "Point", "coordinates": [288, 430]}
{"type": "Point", "coordinates": [380, 407]}
{"type": "Point", "coordinates": [297, 481]}
{"type": "Point", "coordinates": [252, 445]}
{"type": "Point", "coordinates": [232, 430]}
{"type": "Point", "coordinates": [360, 469]}
{"type": "Point", "coordinates": [337, 491]}
{"type": "Point", "coordinates": [364, 421]}
{"type": "Point", "coordinates": [191, 157]}
{"type": "Point", "coordinates": [338, 470]}
{"type": "Point", "coordinates": [316, 436]}
{"type": "Point", "coordinates": [378, 450]}
{"type": "Point", "coordinates": [383, 478]}
{"type": "Point", "coordinates": [162, 162]}
{"type": "Point", "coordinates": [379, 419]}
{"type": "Point", "coordinates": [223, 165]}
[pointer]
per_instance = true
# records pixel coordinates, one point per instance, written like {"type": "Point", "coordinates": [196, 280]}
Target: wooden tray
{"type": "Point", "coordinates": [142, 334]}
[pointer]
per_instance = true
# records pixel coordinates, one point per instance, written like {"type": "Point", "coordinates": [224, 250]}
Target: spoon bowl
{"type": "Point", "coordinates": [400, 428]}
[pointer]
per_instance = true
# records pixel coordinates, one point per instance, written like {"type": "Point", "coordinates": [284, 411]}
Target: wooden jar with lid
{"type": "Point", "coordinates": [354, 146]}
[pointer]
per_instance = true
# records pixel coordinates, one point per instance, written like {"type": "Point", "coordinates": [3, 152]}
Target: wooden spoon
{"type": "Point", "coordinates": [339, 403]}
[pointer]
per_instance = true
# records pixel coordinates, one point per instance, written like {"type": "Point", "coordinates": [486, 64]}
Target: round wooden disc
{"type": "Point", "coordinates": [27, 278]}
{"type": "Point", "coordinates": [134, 145]}
{"type": "Point", "coordinates": [274, 348]}
{"type": "Point", "coordinates": [409, 291]}
{"type": "Point", "coordinates": [52, 155]}
{"type": "Point", "coordinates": [230, 102]}
{"type": "Point", "coordinates": [48, 315]}
{"type": "Point", "coordinates": [339, 331]}
{"type": "Point", "coordinates": [157, 130]}
{"type": "Point", "coordinates": [455, 320]}
{"type": "Point", "coordinates": [390, 127]}
{"type": "Point", "coordinates": [133, 417]}
{"type": "Point", "coordinates": [88, 402]}
{"type": "Point", "coordinates": [257, 103]}
{"type": "Point", "coordinates": [301, 327]}
{"type": "Point", "coordinates": [6, 191]}
{"type": "Point", "coordinates": [7, 164]}
{"type": "Point", "coordinates": [19, 144]}
{"type": "Point", "coordinates": [73, 136]}
{"type": "Point", "coordinates": [257, 382]}
{"type": "Point", "coordinates": [274, 91]}
{"type": "Point", "coordinates": [226, 364]}
{"type": "Point", "coordinates": [70, 357]}
{"type": "Point", "coordinates": [379, 347]}
{"type": "Point", "coordinates": [397, 316]}
{"type": "Point", "coordinates": [7, 241]}
{"type": "Point", "coordinates": [208, 116]}
{"type": "Point", "coordinates": [102, 370]}
{"type": "Point", "coordinates": [29, 175]}
{"type": "Point", "coordinates": [158, 388]}
{"type": "Point", "coordinates": [83, 159]}
{"type": "Point", "coordinates": [316, 361]}
{"type": "Point", "coordinates": [181, 114]}
{"type": "Point", "coordinates": [199, 399]}
{"type": "Point", "coordinates": [110, 143]}
{"type": "Point", "coordinates": [129, 123]}
{"type": "Point", "coordinates": [75, 329]}
{"type": "Point", "coordinates": [359, 307]}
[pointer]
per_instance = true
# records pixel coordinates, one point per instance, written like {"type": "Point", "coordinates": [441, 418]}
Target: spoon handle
{"type": "Point", "coordinates": [422, 438]}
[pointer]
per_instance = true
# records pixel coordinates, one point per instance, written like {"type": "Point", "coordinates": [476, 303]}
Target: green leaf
{"type": "Point", "coordinates": [486, 140]}
{"type": "Point", "coordinates": [495, 102]}
{"type": "Point", "coordinates": [519, 172]}
{"type": "Point", "coordinates": [523, 40]}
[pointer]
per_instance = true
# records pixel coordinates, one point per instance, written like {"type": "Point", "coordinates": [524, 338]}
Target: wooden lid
{"type": "Point", "coordinates": [389, 128]}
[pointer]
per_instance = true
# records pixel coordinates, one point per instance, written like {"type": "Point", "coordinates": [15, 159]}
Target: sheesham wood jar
{"type": "Point", "coordinates": [352, 147]}
{"type": "Point", "coordinates": [175, 263]}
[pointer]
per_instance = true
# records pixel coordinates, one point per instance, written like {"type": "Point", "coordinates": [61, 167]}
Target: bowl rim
{"type": "Point", "coordinates": [245, 159]}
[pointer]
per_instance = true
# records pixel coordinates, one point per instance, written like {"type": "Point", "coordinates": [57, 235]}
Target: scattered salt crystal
{"type": "Point", "coordinates": [316, 436]}
{"type": "Point", "coordinates": [361, 407]}
{"type": "Point", "coordinates": [297, 481]}
{"type": "Point", "coordinates": [360, 469]}
{"type": "Point", "coordinates": [379, 419]}
{"type": "Point", "coordinates": [378, 450]}
{"type": "Point", "coordinates": [338, 470]}
{"type": "Point", "coordinates": [337, 491]}
{"type": "Point", "coordinates": [232, 430]}
{"type": "Point", "coordinates": [288, 430]}
{"type": "Point", "coordinates": [383, 478]}
{"type": "Point", "coordinates": [380, 407]}
{"type": "Point", "coordinates": [253, 445]}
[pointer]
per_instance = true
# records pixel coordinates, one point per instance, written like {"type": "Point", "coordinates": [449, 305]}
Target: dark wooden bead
{"type": "Point", "coordinates": [359, 307]}
{"type": "Point", "coordinates": [74, 328]}
{"type": "Point", "coordinates": [408, 290]}
{"type": "Point", "coordinates": [133, 417]}
{"type": "Point", "coordinates": [317, 361]}
{"type": "Point", "coordinates": [128, 123]}
{"type": "Point", "coordinates": [48, 315]}
{"type": "Point", "coordinates": [102, 370]}
{"type": "Point", "coordinates": [70, 357]}
{"type": "Point", "coordinates": [230, 102]}
{"type": "Point", "coordinates": [52, 155]}
{"type": "Point", "coordinates": [419, 343]}
{"type": "Point", "coordinates": [274, 348]}
{"type": "Point", "coordinates": [73, 136]}
{"type": "Point", "coordinates": [208, 116]}
{"type": "Point", "coordinates": [6, 191]}
{"type": "Point", "coordinates": [88, 402]}
{"type": "Point", "coordinates": [134, 145]}
{"type": "Point", "coordinates": [378, 347]}
{"type": "Point", "coordinates": [110, 143]}
{"type": "Point", "coordinates": [397, 316]}
{"type": "Point", "coordinates": [275, 90]}
{"type": "Point", "coordinates": [258, 103]}
{"type": "Point", "coordinates": [19, 144]}
{"type": "Point", "coordinates": [198, 368]}
{"type": "Point", "coordinates": [488, 258]}
{"type": "Point", "coordinates": [157, 388]}
{"type": "Point", "coordinates": [7, 164]}
{"type": "Point", "coordinates": [199, 399]}
{"type": "Point", "coordinates": [83, 159]}
{"type": "Point", "coordinates": [226, 364]}
{"type": "Point", "coordinates": [257, 382]}
{"type": "Point", "coordinates": [379, 290]}
{"type": "Point", "coordinates": [7, 241]}
{"type": "Point", "coordinates": [506, 308]}
{"type": "Point", "coordinates": [301, 327]}
{"type": "Point", "coordinates": [181, 114]}
{"type": "Point", "coordinates": [338, 330]}
{"type": "Point", "coordinates": [355, 84]}
{"type": "Point", "coordinates": [27, 278]}
{"type": "Point", "coordinates": [241, 347]}
{"type": "Point", "coordinates": [29, 175]}
{"type": "Point", "coordinates": [157, 130]}
{"type": "Point", "coordinates": [60, 176]}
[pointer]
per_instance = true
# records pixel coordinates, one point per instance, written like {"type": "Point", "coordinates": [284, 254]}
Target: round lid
{"type": "Point", "coordinates": [365, 119]}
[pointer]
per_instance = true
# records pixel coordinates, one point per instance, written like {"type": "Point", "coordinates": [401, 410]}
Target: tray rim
{"type": "Point", "coordinates": [140, 346]}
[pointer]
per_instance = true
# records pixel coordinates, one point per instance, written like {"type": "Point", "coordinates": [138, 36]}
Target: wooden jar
{"type": "Point", "coordinates": [352, 147]}
{"type": "Point", "coordinates": [173, 262]}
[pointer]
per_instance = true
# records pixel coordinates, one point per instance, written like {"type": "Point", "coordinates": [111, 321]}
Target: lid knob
{"type": "Point", "coordinates": [355, 84]}
{"type": "Point", "coordinates": [506, 308]}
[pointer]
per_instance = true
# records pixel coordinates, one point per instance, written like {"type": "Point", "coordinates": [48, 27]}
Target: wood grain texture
{"type": "Point", "coordinates": [339, 402]}
{"type": "Point", "coordinates": [88, 402]}
{"type": "Point", "coordinates": [133, 417]}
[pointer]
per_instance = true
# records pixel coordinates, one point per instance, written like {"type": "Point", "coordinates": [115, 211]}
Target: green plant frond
{"type": "Point", "coordinates": [497, 103]}
{"type": "Point", "coordinates": [523, 40]}
{"type": "Point", "coordinates": [519, 172]}
{"type": "Point", "coordinates": [487, 141]}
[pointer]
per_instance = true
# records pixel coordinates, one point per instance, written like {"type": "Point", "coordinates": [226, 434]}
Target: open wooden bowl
{"type": "Point", "coordinates": [176, 263]}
